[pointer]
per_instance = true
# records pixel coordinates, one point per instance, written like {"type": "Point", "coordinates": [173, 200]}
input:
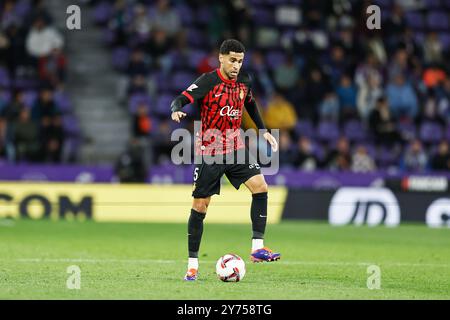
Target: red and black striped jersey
{"type": "Point", "coordinates": [221, 102]}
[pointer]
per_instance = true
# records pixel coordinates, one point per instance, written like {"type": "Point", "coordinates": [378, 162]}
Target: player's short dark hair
{"type": "Point", "coordinates": [231, 45]}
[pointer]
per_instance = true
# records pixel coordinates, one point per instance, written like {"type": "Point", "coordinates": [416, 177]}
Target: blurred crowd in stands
{"type": "Point", "coordinates": [35, 113]}
{"type": "Point", "coordinates": [344, 97]}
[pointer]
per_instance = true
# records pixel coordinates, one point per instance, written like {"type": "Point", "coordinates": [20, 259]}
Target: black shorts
{"type": "Point", "coordinates": [207, 176]}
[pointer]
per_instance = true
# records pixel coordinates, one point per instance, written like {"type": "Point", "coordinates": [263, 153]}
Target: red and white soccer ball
{"type": "Point", "coordinates": [230, 268]}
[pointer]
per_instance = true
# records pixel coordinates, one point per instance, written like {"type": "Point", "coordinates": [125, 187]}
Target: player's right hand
{"type": "Point", "coordinates": [178, 115]}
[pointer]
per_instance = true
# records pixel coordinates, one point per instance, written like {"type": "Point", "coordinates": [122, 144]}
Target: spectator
{"type": "Point", "coordinates": [287, 154]}
{"type": "Point", "coordinates": [142, 124]}
{"type": "Point", "coordinates": [347, 98]}
{"type": "Point", "coordinates": [399, 65]}
{"type": "Point", "coordinates": [16, 56]}
{"type": "Point", "coordinates": [375, 45]}
{"type": "Point", "coordinates": [52, 137]}
{"type": "Point", "coordinates": [329, 107]}
{"type": "Point", "coordinates": [118, 23]}
{"type": "Point", "coordinates": [315, 88]}
{"type": "Point", "coordinates": [209, 63]}
{"type": "Point", "coordinates": [162, 145]}
{"type": "Point", "coordinates": [165, 18]}
{"type": "Point", "coordinates": [402, 98]}
{"type": "Point", "coordinates": [280, 113]}
{"type": "Point", "coordinates": [286, 75]}
{"type": "Point", "coordinates": [139, 64]}
{"type": "Point", "coordinates": [415, 159]}
{"type": "Point", "coordinates": [441, 161]}
{"type": "Point", "coordinates": [383, 124]}
{"type": "Point", "coordinates": [339, 159]}
{"type": "Point", "coordinates": [52, 68]}
{"type": "Point", "coordinates": [443, 97]}
{"type": "Point", "coordinates": [42, 39]}
{"type": "Point", "coordinates": [141, 25]}
{"type": "Point", "coordinates": [430, 112]}
{"type": "Point", "coordinates": [370, 68]}
{"type": "Point", "coordinates": [368, 94]}
{"type": "Point", "coordinates": [142, 130]}
{"type": "Point", "coordinates": [305, 159]}
{"type": "Point", "coordinates": [337, 64]}
{"type": "Point", "coordinates": [26, 138]}
{"type": "Point", "coordinates": [130, 167]}
{"type": "Point", "coordinates": [362, 161]}
{"type": "Point", "coordinates": [157, 47]}
{"type": "Point", "coordinates": [44, 108]}
{"type": "Point", "coordinates": [261, 80]}
{"type": "Point", "coordinates": [395, 24]}
{"type": "Point", "coordinates": [432, 48]}
{"type": "Point", "coordinates": [138, 84]}
{"type": "Point", "coordinates": [433, 76]}
{"type": "Point", "coordinates": [9, 116]}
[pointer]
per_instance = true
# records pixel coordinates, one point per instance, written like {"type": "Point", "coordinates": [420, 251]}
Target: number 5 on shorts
{"type": "Point", "coordinates": [196, 174]}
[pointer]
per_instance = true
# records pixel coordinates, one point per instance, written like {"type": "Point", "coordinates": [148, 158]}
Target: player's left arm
{"type": "Point", "coordinates": [253, 111]}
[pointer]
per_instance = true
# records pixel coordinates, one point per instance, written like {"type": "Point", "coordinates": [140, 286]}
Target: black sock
{"type": "Point", "coordinates": [195, 231]}
{"type": "Point", "coordinates": [258, 213]}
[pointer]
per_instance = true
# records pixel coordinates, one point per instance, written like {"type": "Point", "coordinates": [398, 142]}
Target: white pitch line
{"type": "Point", "coordinates": [161, 261]}
{"type": "Point", "coordinates": [7, 224]}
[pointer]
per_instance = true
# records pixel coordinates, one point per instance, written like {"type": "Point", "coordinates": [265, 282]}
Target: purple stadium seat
{"type": "Point", "coordinates": [445, 40]}
{"type": "Point", "coordinates": [196, 38]}
{"type": "Point", "coordinates": [408, 130]}
{"type": "Point", "coordinates": [62, 101]}
{"type": "Point", "coordinates": [181, 80]}
{"type": "Point", "coordinates": [355, 131]}
{"type": "Point", "coordinates": [162, 81]}
{"type": "Point", "coordinates": [275, 58]}
{"type": "Point", "coordinates": [386, 157]}
{"type": "Point", "coordinates": [328, 131]}
{"type": "Point", "coordinates": [29, 98]}
{"type": "Point", "coordinates": [137, 99]}
{"type": "Point", "coordinates": [318, 151]}
{"type": "Point", "coordinates": [203, 15]}
{"type": "Point", "coordinates": [262, 16]}
{"type": "Point", "coordinates": [162, 106]}
{"type": "Point", "coordinates": [25, 83]}
{"type": "Point", "coordinates": [102, 12]}
{"type": "Point", "coordinates": [383, 3]}
{"type": "Point", "coordinates": [447, 133]}
{"type": "Point", "coordinates": [71, 126]}
{"type": "Point", "coordinates": [120, 58]}
{"type": "Point", "coordinates": [4, 78]}
{"type": "Point", "coordinates": [71, 146]}
{"type": "Point", "coordinates": [253, 3]}
{"type": "Point", "coordinates": [415, 20]}
{"type": "Point", "coordinates": [430, 132]}
{"type": "Point", "coordinates": [5, 96]}
{"type": "Point", "coordinates": [438, 20]}
{"type": "Point", "coordinates": [108, 36]}
{"type": "Point", "coordinates": [433, 4]}
{"type": "Point", "coordinates": [22, 8]}
{"type": "Point", "coordinates": [195, 56]}
{"type": "Point", "coordinates": [419, 37]}
{"type": "Point", "coordinates": [304, 128]}
{"type": "Point", "coordinates": [186, 14]}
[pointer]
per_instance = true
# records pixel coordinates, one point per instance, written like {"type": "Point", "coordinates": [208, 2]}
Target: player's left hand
{"type": "Point", "coordinates": [271, 139]}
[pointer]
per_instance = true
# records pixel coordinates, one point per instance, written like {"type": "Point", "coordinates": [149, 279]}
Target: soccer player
{"type": "Point", "coordinates": [221, 96]}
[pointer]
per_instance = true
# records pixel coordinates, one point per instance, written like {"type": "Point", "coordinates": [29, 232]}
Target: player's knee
{"type": "Point", "coordinates": [200, 205]}
{"type": "Point", "coordinates": [261, 187]}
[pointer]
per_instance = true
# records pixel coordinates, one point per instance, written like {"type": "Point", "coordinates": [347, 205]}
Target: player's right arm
{"type": "Point", "coordinates": [193, 93]}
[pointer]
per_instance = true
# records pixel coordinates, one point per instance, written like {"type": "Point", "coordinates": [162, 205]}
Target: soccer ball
{"type": "Point", "coordinates": [230, 268]}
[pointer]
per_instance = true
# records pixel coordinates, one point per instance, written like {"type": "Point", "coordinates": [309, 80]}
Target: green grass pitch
{"type": "Point", "coordinates": [148, 261]}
